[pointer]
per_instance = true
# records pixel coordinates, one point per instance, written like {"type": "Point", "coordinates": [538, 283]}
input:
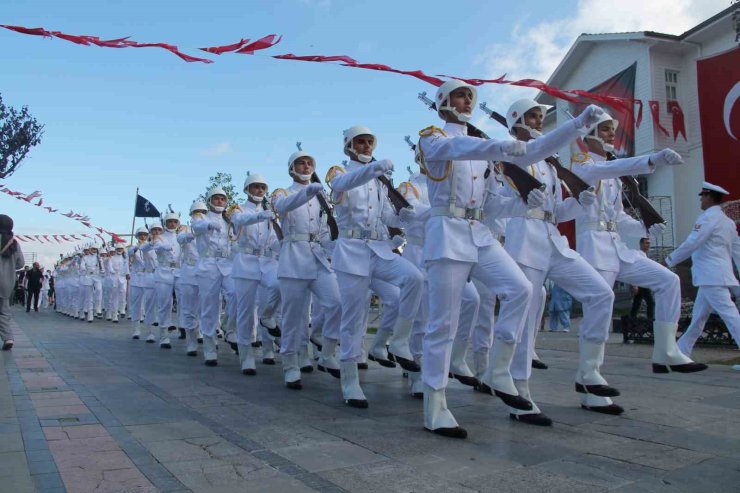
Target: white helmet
{"type": "Point", "coordinates": [142, 230]}
{"type": "Point", "coordinates": [253, 178]}
{"type": "Point", "coordinates": [198, 205]}
{"type": "Point", "coordinates": [170, 216]}
{"type": "Point", "coordinates": [593, 134]}
{"type": "Point", "coordinates": [443, 97]}
{"type": "Point", "coordinates": [349, 136]}
{"type": "Point", "coordinates": [516, 112]}
{"type": "Point", "coordinates": [215, 191]}
{"type": "Point", "coordinates": [292, 160]}
{"type": "Point", "coordinates": [156, 224]}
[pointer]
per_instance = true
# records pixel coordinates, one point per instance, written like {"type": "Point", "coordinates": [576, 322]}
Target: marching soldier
{"type": "Point", "coordinates": [137, 291]}
{"type": "Point", "coordinates": [713, 246]}
{"type": "Point", "coordinates": [150, 276]}
{"type": "Point", "coordinates": [188, 305]}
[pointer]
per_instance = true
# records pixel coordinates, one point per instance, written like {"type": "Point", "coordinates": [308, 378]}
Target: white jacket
{"type": "Point", "coordinates": [256, 245]}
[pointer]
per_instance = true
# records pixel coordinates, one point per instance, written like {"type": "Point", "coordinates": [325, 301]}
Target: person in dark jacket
{"type": "Point", "coordinates": [34, 281]}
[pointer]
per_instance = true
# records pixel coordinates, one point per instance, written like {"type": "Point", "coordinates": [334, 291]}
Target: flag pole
{"type": "Point", "coordinates": [133, 222]}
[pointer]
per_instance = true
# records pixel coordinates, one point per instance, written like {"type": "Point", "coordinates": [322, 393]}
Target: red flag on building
{"type": "Point", "coordinates": [655, 112]}
{"type": "Point", "coordinates": [679, 126]}
{"type": "Point", "coordinates": [719, 112]}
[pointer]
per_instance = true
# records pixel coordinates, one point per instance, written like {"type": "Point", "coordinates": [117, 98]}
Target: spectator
{"type": "Point", "coordinates": [34, 282]}
{"type": "Point", "coordinates": [11, 259]}
{"type": "Point", "coordinates": [560, 305]}
{"type": "Point", "coordinates": [643, 293]}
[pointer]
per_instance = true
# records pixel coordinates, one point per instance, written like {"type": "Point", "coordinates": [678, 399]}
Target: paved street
{"type": "Point", "coordinates": [83, 408]}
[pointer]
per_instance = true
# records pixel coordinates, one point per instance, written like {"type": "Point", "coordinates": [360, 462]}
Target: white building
{"type": "Point", "coordinates": [666, 69]}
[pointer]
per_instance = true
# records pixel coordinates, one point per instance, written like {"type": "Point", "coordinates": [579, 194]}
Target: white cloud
{"type": "Point", "coordinates": [218, 149]}
{"type": "Point", "coordinates": [537, 47]}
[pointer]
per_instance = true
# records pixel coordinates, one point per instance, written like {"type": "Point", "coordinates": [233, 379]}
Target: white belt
{"type": "Point", "coordinates": [190, 262]}
{"type": "Point", "coordinates": [217, 254]}
{"type": "Point", "coordinates": [415, 240]}
{"type": "Point", "coordinates": [359, 234]}
{"type": "Point", "coordinates": [312, 237]}
{"type": "Point", "coordinates": [170, 265]}
{"type": "Point", "coordinates": [475, 214]}
{"type": "Point", "coordinates": [257, 252]}
{"type": "Point", "coordinates": [610, 226]}
{"type": "Point", "coordinates": [542, 215]}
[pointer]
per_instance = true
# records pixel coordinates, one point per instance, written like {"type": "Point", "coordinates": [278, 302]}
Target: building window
{"type": "Point", "coordinates": [671, 87]}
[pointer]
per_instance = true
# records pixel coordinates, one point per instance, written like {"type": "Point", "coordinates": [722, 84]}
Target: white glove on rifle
{"type": "Point", "coordinates": [589, 117]}
{"type": "Point", "coordinates": [666, 157]}
{"type": "Point", "coordinates": [586, 198]}
{"type": "Point", "coordinates": [382, 167]}
{"type": "Point", "coordinates": [266, 215]}
{"type": "Point", "coordinates": [214, 226]}
{"type": "Point", "coordinates": [535, 198]}
{"type": "Point", "coordinates": [407, 214]}
{"type": "Point", "coordinates": [397, 241]}
{"type": "Point", "coordinates": [313, 189]}
{"type": "Point", "coordinates": [514, 148]}
{"type": "Point", "coordinates": [656, 229]}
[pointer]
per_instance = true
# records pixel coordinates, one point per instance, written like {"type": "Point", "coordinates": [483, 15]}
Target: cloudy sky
{"type": "Point", "coordinates": [116, 120]}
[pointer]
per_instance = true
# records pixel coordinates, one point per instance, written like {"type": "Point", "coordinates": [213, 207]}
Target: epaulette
{"type": "Point", "coordinates": [332, 173]}
{"type": "Point", "coordinates": [277, 193]}
{"type": "Point", "coordinates": [580, 157]}
{"type": "Point", "coordinates": [431, 130]}
{"type": "Point", "coordinates": [406, 187]}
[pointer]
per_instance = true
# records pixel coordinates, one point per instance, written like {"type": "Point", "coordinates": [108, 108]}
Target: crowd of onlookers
{"type": "Point", "coordinates": [33, 288]}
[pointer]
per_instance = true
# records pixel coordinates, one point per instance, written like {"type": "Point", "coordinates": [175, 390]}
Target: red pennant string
{"type": "Point", "coordinates": [34, 31]}
{"type": "Point", "coordinates": [38, 204]}
{"type": "Point", "coordinates": [32, 196]}
{"type": "Point", "coordinates": [19, 238]}
{"type": "Point", "coordinates": [655, 111]}
{"type": "Point", "coordinates": [46, 237]}
{"type": "Point", "coordinates": [217, 50]}
{"type": "Point", "coordinates": [261, 44]}
{"type": "Point", "coordinates": [317, 58]}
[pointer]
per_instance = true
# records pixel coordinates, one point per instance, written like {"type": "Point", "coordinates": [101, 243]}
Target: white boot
{"type": "Point", "coordinates": [164, 338]}
{"type": "Point", "coordinates": [246, 359]}
{"type": "Point", "coordinates": [291, 371]}
{"type": "Point", "coordinates": [588, 377]}
{"type": "Point", "coordinates": [304, 361]}
{"type": "Point", "coordinates": [667, 355]}
{"type": "Point", "coordinates": [399, 345]}
{"type": "Point", "coordinates": [498, 376]}
{"type": "Point", "coordinates": [209, 350]}
{"type": "Point", "coordinates": [351, 390]}
{"type": "Point", "coordinates": [191, 345]}
{"type": "Point", "coordinates": [480, 364]}
{"type": "Point", "coordinates": [151, 338]}
{"type": "Point", "coordinates": [115, 317]}
{"type": "Point", "coordinates": [437, 418]}
{"type": "Point", "coordinates": [458, 366]}
{"type": "Point", "coordinates": [327, 360]}
{"type": "Point", "coordinates": [90, 316]}
{"type": "Point", "coordinates": [416, 382]}
{"type": "Point", "coordinates": [534, 416]}
{"type": "Point", "coordinates": [137, 331]}
{"type": "Point", "coordinates": [378, 351]}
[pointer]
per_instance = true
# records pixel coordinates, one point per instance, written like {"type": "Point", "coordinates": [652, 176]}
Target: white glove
{"type": "Point", "coordinates": [407, 214]}
{"type": "Point", "coordinates": [535, 198]}
{"type": "Point", "coordinates": [589, 117]}
{"type": "Point", "coordinates": [382, 167]}
{"type": "Point", "coordinates": [313, 189]}
{"type": "Point", "coordinates": [666, 157]}
{"type": "Point", "coordinates": [586, 198]}
{"type": "Point", "coordinates": [397, 241]}
{"type": "Point", "coordinates": [265, 215]}
{"type": "Point", "coordinates": [656, 229]}
{"type": "Point", "coordinates": [514, 148]}
{"type": "Point", "coordinates": [214, 226]}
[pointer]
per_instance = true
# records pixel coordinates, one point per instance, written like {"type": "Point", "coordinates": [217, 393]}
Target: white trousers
{"type": "Point", "coordinates": [484, 325]}
{"type": "Point", "coordinates": [150, 305]}
{"type": "Point", "coordinates": [245, 294]}
{"type": "Point", "coordinates": [119, 286]}
{"type": "Point", "coordinates": [188, 307]}
{"type": "Point", "coordinates": [447, 279]}
{"type": "Point", "coordinates": [98, 293]}
{"type": "Point", "coordinates": [469, 308]}
{"type": "Point", "coordinates": [136, 300]}
{"type": "Point", "coordinates": [710, 299]}
{"type": "Point", "coordinates": [296, 300]}
{"type": "Point", "coordinates": [664, 284]}
{"type": "Point", "coordinates": [163, 292]}
{"type": "Point", "coordinates": [390, 296]}
{"type": "Point", "coordinates": [584, 284]}
{"type": "Point", "coordinates": [398, 272]}
{"type": "Point", "coordinates": [210, 287]}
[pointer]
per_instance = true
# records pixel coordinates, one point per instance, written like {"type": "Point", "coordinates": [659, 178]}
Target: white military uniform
{"type": "Point", "coordinates": [150, 294]}
{"type": "Point", "coordinates": [361, 254]}
{"type": "Point", "coordinates": [136, 288]}
{"type": "Point", "coordinates": [214, 274]}
{"type": "Point", "coordinates": [188, 305]}
{"type": "Point", "coordinates": [713, 246]}
{"type": "Point", "coordinates": [120, 267]}
{"type": "Point", "coordinates": [255, 266]}
{"type": "Point", "coordinates": [303, 271]}
{"type": "Point", "coordinates": [92, 283]}
{"type": "Point", "coordinates": [167, 250]}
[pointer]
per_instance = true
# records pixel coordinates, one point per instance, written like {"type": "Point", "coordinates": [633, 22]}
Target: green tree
{"type": "Point", "coordinates": [19, 131]}
{"type": "Point", "coordinates": [225, 181]}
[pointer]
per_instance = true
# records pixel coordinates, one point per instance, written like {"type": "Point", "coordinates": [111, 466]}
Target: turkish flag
{"type": "Point", "coordinates": [719, 113]}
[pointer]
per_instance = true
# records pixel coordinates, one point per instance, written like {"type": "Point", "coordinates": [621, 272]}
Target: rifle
{"type": "Point", "coordinates": [275, 225]}
{"type": "Point", "coordinates": [330, 219]}
{"type": "Point", "coordinates": [647, 212]}
{"type": "Point", "coordinates": [523, 181]}
{"type": "Point", "coordinates": [575, 183]}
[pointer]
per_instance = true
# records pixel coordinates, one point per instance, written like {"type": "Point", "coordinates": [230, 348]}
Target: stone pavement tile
{"type": "Point", "coordinates": [390, 476]}
{"type": "Point", "coordinates": [285, 435]}
{"type": "Point", "coordinates": [11, 442]}
{"type": "Point", "coordinates": [66, 401]}
{"type": "Point", "coordinates": [83, 479]}
{"type": "Point", "coordinates": [49, 481]}
{"type": "Point", "coordinates": [655, 485]}
{"type": "Point", "coordinates": [192, 449]}
{"type": "Point", "coordinates": [716, 475]}
{"type": "Point", "coordinates": [169, 431]}
{"type": "Point", "coordinates": [650, 454]}
{"type": "Point", "coordinates": [36, 397]}
{"type": "Point", "coordinates": [278, 484]}
{"type": "Point", "coordinates": [241, 415]}
{"type": "Point", "coordinates": [600, 472]}
{"type": "Point", "coordinates": [525, 479]}
{"type": "Point", "coordinates": [237, 472]}
{"type": "Point", "coordinates": [18, 483]}
{"type": "Point", "coordinates": [13, 463]}
{"type": "Point", "coordinates": [55, 411]}
{"type": "Point", "coordinates": [141, 413]}
{"type": "Point", "coordinates": [106, 460]}
{"type": "Point", "coordinates": [727, 428]}
{"type": "Point", "coordinates": [83, 446]}
{"type": "Point", "coordinates": [329, 455]}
